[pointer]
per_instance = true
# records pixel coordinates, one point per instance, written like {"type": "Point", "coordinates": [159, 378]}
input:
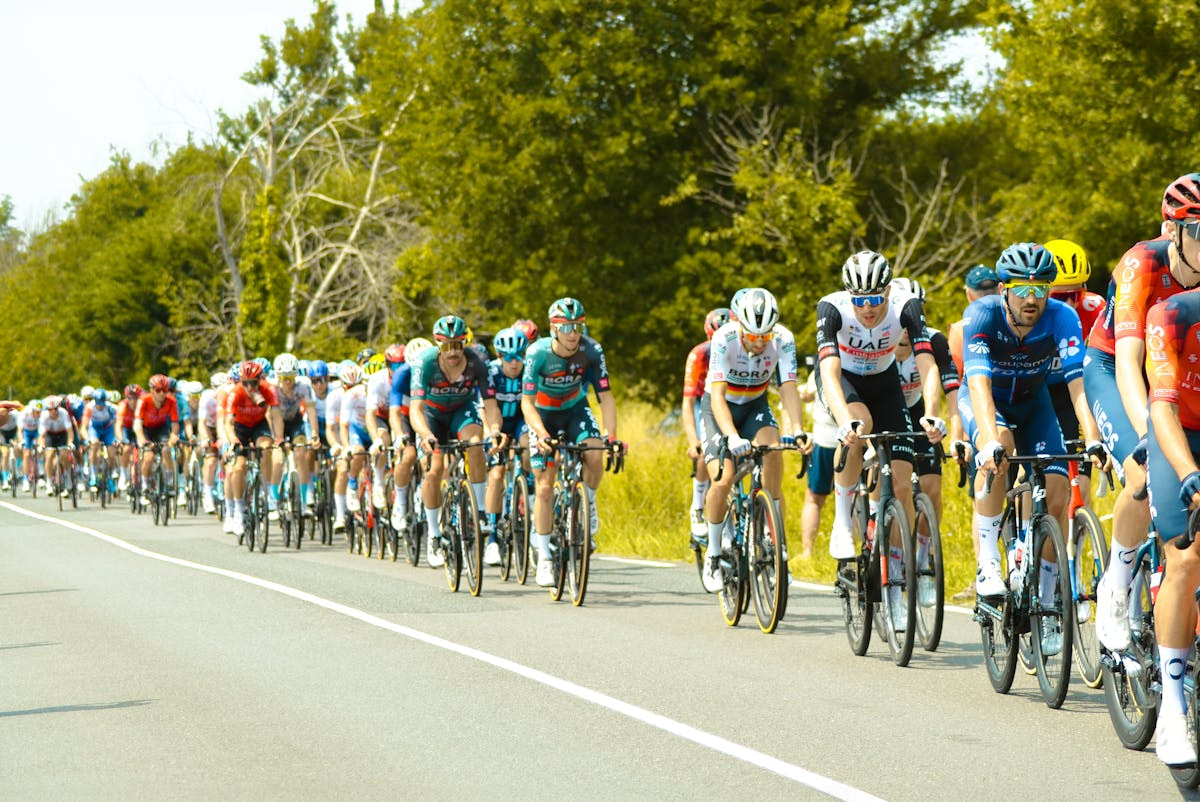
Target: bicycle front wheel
{"type": "Point", "coordinates": [519, 516]}
{"type": "Point", "coordinates": [472, 538]}
{"type": "Point", "coordinates": [451, 540]}
{"type": "Point", "coordinates": [1089, 558]}
{"type": "Point", "coordinates": [579, 539]}
{"type": "Point", "coordinates": [1051, 627]}
{"type": "Point", "coordinates": [766, 562]}
{"type": "Point", "coordinates": [852, 583]}
{"type": "Point", "coordinates": [251, 517]}
{"type": "Point", "coordinates": [931, 579]}
{"type": "Point", "coordinates": [264, 520]}
{"type": "Point", "coordinates": [898, 599]}
{"type": "Point", "coordinates": [297, 509]}
{"type": "Point", "coordinates": [1128, 683]}
{"type": "Point", "coordinates": [1189, 776]}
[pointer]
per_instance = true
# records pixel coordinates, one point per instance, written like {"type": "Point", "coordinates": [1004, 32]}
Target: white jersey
{"type": "Point", "coordinates": [319, 402]}
{"type": "Point", "coordinates": [354, 407]}
{"type": "Point", "coordinates": [866, 351]}
{"type": "Point", "coordinates": [379, 391]}
{"type": "Point", "coordinates": [293, 406]}
{"type": "Point", "coordinates": [206, 411]}
{"type": "Point", "coordinates": [333, 407]}
{"type": "Point", "coordinates": [28, 420]}
{"type": "Point", "coordinates": [824, 427]}
{"type": "Point", "coordinates": [54, 422]}
{"type": "Point", "coordinates": [747, 375]}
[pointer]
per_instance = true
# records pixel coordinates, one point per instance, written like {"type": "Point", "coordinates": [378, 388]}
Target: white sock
{"type": "Point", "coordinates": [699, 488]}
{"type": "Point", "coordinates": [479, 491]}
{"type": "Point", "coordinates": [377, 475]}
{"type": "Point", "coordinates": [1120, 566]}
{"type": "Point", "coordinates": [1048, 578]}
{"type": "Point", "coordinates": [433, 517]}
{"type": "Point", "coordinates": [239, 508]}
{"type": "Point", "coordinates": [543, 545]}
{"type": "Point", "coordinates": [988, 527]}
{"type": "Point", "coordinates": [402, 499]}
{"type": "Point", "coordinates": [843, 500]}
{"type": "Point", "coordinates": [1173, 665]}
{"type": "Point", "coordinates": [339, 505]}
{"type": "Point", "coordinates": [715, 533]}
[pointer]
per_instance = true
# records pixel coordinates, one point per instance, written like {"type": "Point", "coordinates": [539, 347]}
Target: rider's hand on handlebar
{"type": "Point", "coordinates": [934, 426]}
{"type": "Point", "coordinates": [1189, 491]}
{"type": "Point", "coordinates": [989, 457]}
{"type": "Point", "coordinates": [847, 433]}
{"type": "Point", "coordinates": [738, 445]}
{"type": "Point", "coordinates": [545, 443]}
{"type": "Point", "coordinates": [960, 450]}
{"type": "Point", "coordinates": [1140, 450]}
{"type": "Point", "coordinates": [1098, 454]}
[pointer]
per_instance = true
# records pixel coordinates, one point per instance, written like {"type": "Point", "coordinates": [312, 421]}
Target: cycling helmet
{"type": "Point", "coordinates": [715, 320]}
{"type": "Point", "coordinates": [911, 286]}
{"type": "Point", "coordinates": [100, 397]}
{"type": "Point", "coordinates": [303, 367]}
{"type": "Point", "coordinates": [36, 405]}
{"type": "Point", "coordinates": [414, 348]}
{"type": "Point", "coordinates": [52, 402]}
{"type": "Point", "coordinates": [866, 273]}
{"type": "Point", "coordinates": [218, 380]}
{"type": "Point", "coordinates": [72, 400]}
{"type": "Point", "coordinates": [318, 369]}
{"type": "Point", "coordinates": [449, 327]}
{"type": "Point", "coordinates": [161, 383]}
{"type": "Point", "coordinates": [756, 310]}
{"type": "Point", "coordinates": [1181, 200]}
{"type": "Point", "coordinates": [394, 355]}
{"type": "Point", "coordinates": [193, 387]}
{"type": "Point", "coordinates": [88, 391]}
{"type": "Point", "coordinates": [1026, 261]}
{"type": "Point", "coordinates": [565, 310]}
{"type": "Point", "coordinates": [373, 365]}
{"type": "Point", "coordinates": [1071, 261]}
{"type": "Point", "coordinates": [251, 370]}
{"type": "Point", "coordinates": [133, 391]}
{"type": "Point", "coordinates": [526, 327]}
{"type": "Point", "coordinates": [172, 384]}
{"type": "Point", "coordinates": [349, 374]}
{"type": "Point", "coordinates": [263, 363]}
{"type": "Point", "coordinates": [510, 343]}
{"type": "Point", "coordinates": [286, 365]}
{"type": "Point", "coordinates": [470, 338]}
{"type": "Point", "coordinates": [363, 355]}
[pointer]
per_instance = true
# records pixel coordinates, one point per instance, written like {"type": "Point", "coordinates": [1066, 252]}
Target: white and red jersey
{"type": "Point", "coordinates": [206, 410]}
{"type": "Point", "coordinates": [866, 351]}
{"type": "Point", "coordinates": [379, 391]}
{"type": "Point", "coordinates": [354, 407]}
{"type": "Point", "coordinates": [55, 421]}
{"type": "Point", "coordinates": [747, 375]}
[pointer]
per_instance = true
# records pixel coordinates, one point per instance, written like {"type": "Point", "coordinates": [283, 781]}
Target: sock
{"type": "Point", "coordinates": [339, 505]}
{"type": "Point", "coordinates": [922, 550]}
{"type": "Point", "coordinates": [493, 518]}
{"type": "Point", "coordinates": [895, 563]}
{"type": "Point", "coordinates": [1173, 665]}
{"type": "Point", "coordinates": [715, 535]}
{"type": "Point", "coordinates": [591, 494]}
{"type": "Point", "coordinates": [1048, 578]}
{"type": "Point", "coordinates": [353, 487]}
{"type": "Point", "coordinates": [1120, 566]}
{"type": "Point", "coordinates": [479, 491]}
{"type": "Point", "coordinates": [843, 500]}
{"type": "Point", "coordinates": [402, 499]}
{"type": "Point", "coordinates": [988, 527]}
{"type": "Point", "coordinates": [433, 518]}
{"type": "Point", "coordinates": [239, 508]}
{"type": "Point", "coordinates": [699, 488]}
{"type": "Point", "coordinates": [543, 545]}
{"type": "Point", "coordinates": [377, 474]}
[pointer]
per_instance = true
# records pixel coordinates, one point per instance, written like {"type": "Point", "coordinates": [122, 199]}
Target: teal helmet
{"type": "Point", "coordinates": [449, 327]}
{"type": "Point", "coordinates": [566, 310]}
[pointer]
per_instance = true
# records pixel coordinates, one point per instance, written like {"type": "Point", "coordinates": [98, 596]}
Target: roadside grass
{"type": "Point", "coordinates": [644, 509]}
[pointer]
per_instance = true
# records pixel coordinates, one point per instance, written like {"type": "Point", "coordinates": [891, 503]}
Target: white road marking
{"type": "Point", "coordinates": [627, 561]}
{"type": "Point", "coordinates": [708, 740]}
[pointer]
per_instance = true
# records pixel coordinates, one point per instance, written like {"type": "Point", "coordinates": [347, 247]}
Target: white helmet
{"type": "Point", "coordinates": [286, 364]}
{"type": "Point", "coordinates": [866, 272]}
{"type": "Point", "coordinates": [756, 309]}
{"type": "Point", "coordinates": [219, 379]}
{"type": "Point", "coordinates": [911, 286]}
{"type": "Point", "coordinates": [413, 349]}
{"type": "Point", "coordinates": [87, 392]}
{"type": "Point", "coordinates": [349, 375]}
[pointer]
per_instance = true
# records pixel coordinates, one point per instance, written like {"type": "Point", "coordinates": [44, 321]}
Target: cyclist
{"type": "Point", "coordinates": [1011, 341]}
{"type": "Point", "coordinates": [208, 436]}
{"type": "Point", "coordinates": [980, 282]}
{"type": "Point", "coordinates": [747, 352]}
{"type": "Point", "coordinates": [1173, 346]}
{"type": "Point", "coordinates": [445, 383]}
{"type": "Point", "coordinates": [353, 434]}
{"type": "Point", "coordinates": [99, 428]}
{"type": "Point", "coordinates": [504, 378]}
{"type": "Point", "coordinates": [1148, 273]}
{"type": "Point", "coordinates": [399, 399]}
{"type": "Point", "coordinates": [338, 438]}
{"type": "Point", "coordinates": [126, 411]}
{"type": "Point", "coordinates": [10, 415]}
{"type": "Point", "coordinates": [298, 411]}
{"type": "Point", "coordinates": [157, 421]}
{"type": "Point", "coordinates": [251, 418]}
{"type": "Point", "coordinates": [858, 379]}
{"type": "Point", "coordinates": [378, 418]}
{"type": "Point", "coordinates": [820, 464]}
{"type": "Point", "coordinates": [318, 379]}
{"type": "Point", "coordinates": [695, 371]}
{"type": "Point", "coordinates": [56, 430]}
{"type": "Point", "coordinates": [31, 416]}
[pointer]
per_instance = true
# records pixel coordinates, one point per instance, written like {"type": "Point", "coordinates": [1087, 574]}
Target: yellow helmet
{"type": "Point", "coordinates": [470, 338]}
{"type": "Point", "coordinates": [373, 365]}
{"type": "Point", "coordinates": [1073, 265]}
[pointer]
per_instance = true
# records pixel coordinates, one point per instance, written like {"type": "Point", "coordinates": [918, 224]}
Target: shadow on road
{"type": "Point", "coordinates": [75, 708]}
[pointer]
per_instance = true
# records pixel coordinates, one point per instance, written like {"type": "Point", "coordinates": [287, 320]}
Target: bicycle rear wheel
{"type": "Point", "coordinates": [897, 605]}
{"type": "Point", "coordinates": [1051, 627]}
{"type": "Point", "coordinates": [1089, 558]}
{"type": "Point", "coordinates": [156, 496]}
{"type": "Point", "coordinates": [73, 478]}
{"type": "Point", "coordinates": [287, 524]}
{"type": "Point", "coordinates": [931, 579]}
{"type": "Point", "coordinates": [852, 583]}
{"type": "Point", "coordinates": [578, 543]}
{"type": "Point", "coordinates": [250, 517]}
{"type": "Point", "coordinates": [767, 567]}
{"type": "Point", "coordinates": [1128, 686]}
{"type": "Point", "coordinates": [194, 486]}
{"type": "Point", "coordinates": [264, 520]}
{"type": "Point", "coordinates": [518, 518]}
{"type": "Point", "coordinates": [296, 509]}
{"type": "Point", "coordinates": [471, 537]}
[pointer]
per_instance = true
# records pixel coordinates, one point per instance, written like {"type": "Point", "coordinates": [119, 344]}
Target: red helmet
{"type": "Point", "coordinates": [160, 382]}
{"type": "Point", "coordinates": [394, 354]}
{"type": "Point", "coordinates": [1181, 201]}
{"type": "Point", "coordinates": [133, 391]}
{"type": "Point", "coordinates": [526, 327]}
{"type": "Point", "coordinates": [715, 320]}
{"type": "Point", "coordinates": [251, 370]}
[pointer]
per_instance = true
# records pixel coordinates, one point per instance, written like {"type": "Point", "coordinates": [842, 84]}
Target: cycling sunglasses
{"type": "Point", "coordinates": [1069, 297]}
{"type": "Point", "coordinates": [513, 357]}
{"type": "Point", "coordinates": [1192, 227]}
{"type": "Point", "coordinates": [866, 300]}
{"type": "Point", "coordinates": [758, 338]}
{"type": "Point", "coordinates": [450, 345]}
{"type": "Point", "coordinates": [569, 328]}
{"type": "Point", "coordinates": [1025, 289]}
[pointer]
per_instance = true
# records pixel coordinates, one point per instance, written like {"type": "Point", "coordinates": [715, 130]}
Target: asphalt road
{"type": "Point", "coordinates": [156, 663]}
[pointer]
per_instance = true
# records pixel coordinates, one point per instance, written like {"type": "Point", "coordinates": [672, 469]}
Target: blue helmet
{"type": "Point", "coordinates": [318, 369]}
{"type": "Point", "coordinates": [100, 397]}
{"type": "Point", "coordinates": [235, 372]}
{"type": "Point", "coordinates": [1026, 261]}
{"type": "Point", "coordinates": [510, 343]}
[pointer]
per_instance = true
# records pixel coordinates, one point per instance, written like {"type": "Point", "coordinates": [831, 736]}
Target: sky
{"type": "Point", "coordinates": [84, 79]}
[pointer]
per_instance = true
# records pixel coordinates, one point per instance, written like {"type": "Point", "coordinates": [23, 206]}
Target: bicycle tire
{"type": "Point", "coordinates": [519, 517]}
{"type": "Point", "coordinates": [1131, 702]}
{"type": "Point", "coordinates": [1089, 558]}
{"type": "Point", "coordinates": [899, 590]}
{"type": "Point", "coordinates": [416, 524]}
{"type": "Point", "coordinates": [1188, 777]}
{"type": "Point", "coordinates": [250, 515]}
{"type": "Point", "coordinates": [471, 537]}
{"type": "Point", "coordinates": [930, 574]}
{"type": "Point", "coordinates": [155, 496]}
{"type": "Point", "coordinates": [579, 542]}
{"type": "Point", "coordinates": [999, 637]}
{"type": "Point", "coordinates": [393, 534]}
{"type": "Point", "coordinates": [73, 478]}
{"type": "Point", "coordinates": [558, 553]}
{"type": "Point", "coordinates": [297, 509]}
{"type": "Point", "coordinates": [102, 486]}
{"type": "Point", "coordinates": [58, 487]}
{"type": "Point", "coordinates": [1053, 668]}
{"type": "Point", "coordinates": [768, 570]}
{"type": "Point", "coordinates": [195, 480]}
{"type": "Point", "coordinates": [264, 519]}
{"type": "Point", "coordinates": [367, 508]}
{"type": "Point", "coordinates": [451, 542]}
{"type": "Point", "coordinates": [732, 596]}
{"type": "Point", "coordinates": [851, 583]}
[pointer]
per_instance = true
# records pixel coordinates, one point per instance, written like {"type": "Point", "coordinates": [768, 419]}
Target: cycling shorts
{"type": "Point", "coordinates": [8, 436]}
{"type": "Point", "coordinates": [56, 439]}
{"type": "Point", "coordinates": [925, 460]}
{"type": "Point", "coordinates": [127, 435]}
{"type": "Point", "coordinates": [1068, 421]}
{"type": "Point", "coordinates": [296, 431]}
{"type": "Point", "coordinates": [102, 434]}
{"type": "Point", "coordinates": [157, 434]}
{"type": "Point", "coordinates": [883, 396]}
{"type": "Point", "coordinates": [1032, 422]}
{"type": "Point", "coordinates": [748, 419]}
{"type": "Point", "coordinates": [820, 470]}
{"type": "Point", "coordinates": [249, 435]}
{"type": "Point", "coordinates": [577, 422]}
{"type": "Point", "coordinates": [1100, 386]}
{"type": "Point", "coordinates": [30, 438]}
{"type": "Point", "coordinates": [359, 436]}
{"type": "Point", "coordinates": [1169, 513]}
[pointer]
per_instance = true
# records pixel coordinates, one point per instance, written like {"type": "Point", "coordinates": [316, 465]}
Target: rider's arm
{"type": "Point", "coordinates": [1131, 352]}
{"type": "Point", "coordinates": [493, 420]}
{"type": "Point", "coordinates": [275, 422]}
{"type": "Point", "coordinates": [1168, 431]}
{"type": "Point", "coordinates": [416, 418]}
{"type": "Point", "coordinates": [1087, 424]}
{"type": "Point", "coordinates": [608, 414]}
{"type": "Point", "coordinates": [831, 389]}
{"type": "Point", "coordinates": [720, 409]}
{"type": "Point", "coordinates": [789, 399]}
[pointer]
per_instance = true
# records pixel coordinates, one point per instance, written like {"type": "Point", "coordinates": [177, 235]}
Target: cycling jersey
{"type": "Point", "coordinates": [1173, 355]}
{"type": "Point", "coordinates": [152, 417]}
{"type": "Point", "coordinates": [292, 406]}
{"type": "Point", "coordinates": [28, 420]}
{"type": "Point", "coordinates": [54, 422]}
{"type": "Point", "coordinates": [558, 382]}
{"type": "Point", "coordinates": [1141, 279]}
{"type": "Point", "coordinates": [910, 377]}
{"type": "Point", "coordinates": [1018, 366]}
{"type": "Point", "coordinates": [126, 411]}
{"type": "Point", "coordinates": [401, 390]}
{"type": "Point", "coordinates": [695, 370]}
{"type": "Point", "coordinates": [249, 408]}
{"type": "Point", "coordinates": [430, 383]}
{"type": "Point", "coordinates": [1090, 309]}
{"type": "Point", "coordinates": [379, 392]}
{"type": "Point", "coordinates": [333, 406]}
{"type": "Point", "coordinates": [954, 336]}
{"type": "Point", "coordinates": [866, 351]}
{"type": "Point", "coordinates": [185, 409]}
{"type": "Point", "coordinates": [101, 416]}
{"type": "Point", "coordinates": [507, 392]}
{"type": "Point", "coordinates": [354, 407]}
{"type": "Point", "coordinates": [206, 412]}
{"type": "Point", "coordinates": [746, 375]}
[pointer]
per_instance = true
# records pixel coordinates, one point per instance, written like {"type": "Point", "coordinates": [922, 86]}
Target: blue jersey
{"type": "Point", "coordinates": [508, 392]}
{"type": "Point", "coordinates": [401, 388]}
{"type": "Point", "coordinates": [185, 411]}
{"type": "Point", "coordinates": [1018, 367]}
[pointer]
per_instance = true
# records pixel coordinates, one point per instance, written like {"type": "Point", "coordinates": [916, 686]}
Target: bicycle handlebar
{"type": "Point", "coordinates": [757, 450]}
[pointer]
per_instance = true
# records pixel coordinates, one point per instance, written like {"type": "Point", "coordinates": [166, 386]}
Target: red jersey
{"type": "Point", "coordinates": [954, 337]}
{"type": "Point", "coordinates": [249, 408]}
{"type": "Point", "coordinates": [153, 417]}
{"type": "Point", "coordinates": [127, 411]}
{"type": "Point", "coordinates": [1142, 279]}
{"type": "Point", "coordinates": [695, 371]}
{"type": "Point", "coordinates": [1173, 355]}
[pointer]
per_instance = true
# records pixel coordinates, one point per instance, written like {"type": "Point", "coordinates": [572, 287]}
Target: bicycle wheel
{"type": "Point", "coordinates": [250, 518]}
{"type": "Point", "coordinates": [393, 534]}
{"type": "Point", "coordinates": [579, 542]}
{"type": "Point", "coordinates": [323, 506]}
{"type": "Point", "coordinates": [897, 607]}
{"type": "Point", "coordinates": [102, 484]}
{"type": "Point", "coordinates": [996, 618]}
{"type": "Point", "coordinates": [767, 567]}
{"type": "Point", "coordinates": [156, 480]}
{"type": "Point", "coordinates": [1189, 776]}
{"type": "Point", "coordinates": [518, 520]}
{"type": "Point", "coordinates": [1089, 558]}
{"type": "Point", "coordinates": [195, 482]}
{"type": "Point", "coordinates": [297, 509]}
{"type": "Point", "coordinates": [451, 540]}
{"type": "Point", "coordinates": [931, 579]}
{"type": "Point", "coordinates": [73, 478]}
{"type": "Point", "coordinates": [471, 537]}
{"type": "Point", "coordinates": [851, 583]}
{"type": "Point", "coordinates": [284, 505]}
{"type": "Point", "coordinates": [264, 521]}
{"type": "Point", "coordinates": [416, 527]}
{"type": "Point", "coordinates": [732, 595]}
{"type": "Point", "coordinates": [1050, 617]}
{"type": "Point", "coordinates": [368, 518]}
{"type": "Point", "coordinates": [1128, 683]}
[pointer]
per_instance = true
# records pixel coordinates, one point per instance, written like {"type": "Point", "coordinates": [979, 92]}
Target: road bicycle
{"type": "Point", "coordinates": [322, 497]}
{"type": "Point", "coordinates": [66, 482]}
{"type": "Point", "coordinates": [256, 527]}
{"type": "Point", "coordinates": [753, 562]}
{"type": "Point", "coordinates": [194, 481]}
{"type": "Point", "coordinates": [159, 493]}
{"type": "Point", "coordinates": [514, 525]}
{"type": "Point", "coordinates": [1033, 605]}
{"type": "Point", "coordinates": [461, 540]}
{"type": "Point", "coordinates": [290, 505]}
{"type": "Point", "coordinates": [365, 526]}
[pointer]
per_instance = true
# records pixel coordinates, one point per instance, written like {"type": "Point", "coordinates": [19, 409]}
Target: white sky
{"type": "Point", "coordinates": [84, 78]}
